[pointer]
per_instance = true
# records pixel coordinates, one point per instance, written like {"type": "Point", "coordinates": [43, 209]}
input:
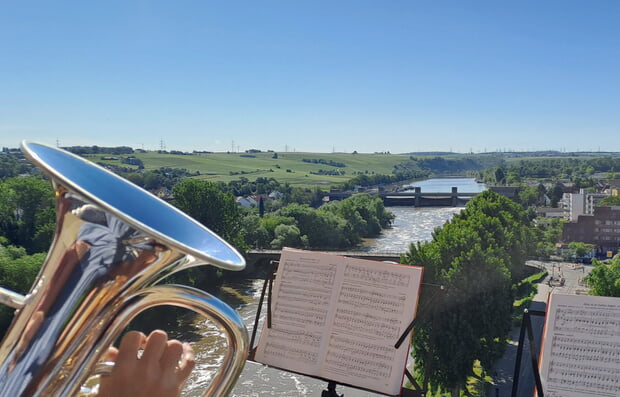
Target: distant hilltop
{"type": "Point", "coordinates": [123, 150]}
{"type": "Point", "coordinates": [510, 154]}
{"type": "Point", "coordinates": [506, 154]}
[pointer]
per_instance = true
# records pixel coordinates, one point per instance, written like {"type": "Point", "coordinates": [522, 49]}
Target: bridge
{"type": "Point", "coordinates": [259, 256]}
{"type": "Point", "coordinates": [416, 198]}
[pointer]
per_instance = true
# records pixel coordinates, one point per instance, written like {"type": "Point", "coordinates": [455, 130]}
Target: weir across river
{"type": "Point", "coordinates": [416, 198]}
{"type": "Point", "coordinates": [257, 256]}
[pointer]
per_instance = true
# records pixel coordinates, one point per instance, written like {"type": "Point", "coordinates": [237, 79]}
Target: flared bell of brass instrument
{"type": "Point", "coordinates": [113, 243]}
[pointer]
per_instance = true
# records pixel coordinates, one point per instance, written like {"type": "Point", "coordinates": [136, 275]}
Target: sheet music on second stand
{"type": "Point", "coordinates": [581, 350]}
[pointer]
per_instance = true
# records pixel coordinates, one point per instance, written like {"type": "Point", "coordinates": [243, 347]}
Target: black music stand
{"type": "Point", "coordinates": [418, 391]}
{"type": "Point", "coordinates": [526, 325]}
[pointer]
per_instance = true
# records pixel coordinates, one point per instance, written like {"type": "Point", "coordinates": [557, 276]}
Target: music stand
{"type": "Point", "coordinates": [526, 325]}
{"type": "Point", "coordinates": [423, 309]}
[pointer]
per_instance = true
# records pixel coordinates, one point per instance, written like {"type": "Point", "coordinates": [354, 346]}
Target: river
{"type": "Point", "coordinates": [410, 225]}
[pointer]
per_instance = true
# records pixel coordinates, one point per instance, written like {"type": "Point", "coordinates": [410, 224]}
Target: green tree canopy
{"type": "Point", "coordinates": [205, 202]}
{"type": "Point", "coordinates": [321, 228]}
{"type": "Point", "coordinates": [365, 214]}
{"type": "Point", "coordinates": [604, 279]}
{"type": "Point", "coordinates": [580, 249]}
{"type": "Point", "coordinates": [610, 201]}
{"type": "Point", "coordinates": [475, 256]}
{"type": "Point", "coordinates": [17, 273]}
{"type": "Point", "coordinates": [27, 215]}
{"type": "Point", "coordinates": [288, 236]}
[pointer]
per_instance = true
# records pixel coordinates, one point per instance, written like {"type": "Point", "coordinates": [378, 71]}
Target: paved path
{"type": "Point", "coordinates": [503, 370]}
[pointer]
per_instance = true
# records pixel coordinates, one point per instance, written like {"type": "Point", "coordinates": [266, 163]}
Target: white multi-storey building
{"type": "Point", "coordinates": [582, 203]}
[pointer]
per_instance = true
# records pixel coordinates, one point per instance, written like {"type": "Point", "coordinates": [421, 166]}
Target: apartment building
{"type": "Point", "coordinates": [582, 203]}
{"type": "Point", "coordinates": [601, 228]}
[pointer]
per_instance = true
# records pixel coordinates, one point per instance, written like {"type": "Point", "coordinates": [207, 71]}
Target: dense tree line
{"type": "Point", "coordinates": [577, 170]}
{"type": "Point", "coordinates": [81, 150]}
{"type": "Point", "coordinates": [477, 256]}
{"type": "Point", "coordinates": [424, 167]}
{"type": "Point", "coordinates": [156, 179]}
{"type": "Point", "coordinates": [400, 174]}
{"type": "Point", "coordinates": [296, 223]}
{"type": "Point", "coordinates": [337, 225]}
{"type": "Point", "coordinates": [27, 215]}
{"type": "Point", "coordinates": [445, 165]}
{"type": "Point", "coordinates": [13, 165]}
{"type": "Point", "coordinates": [325, 162]}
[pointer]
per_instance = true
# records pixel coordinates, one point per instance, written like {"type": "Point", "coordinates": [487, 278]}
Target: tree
{"type": "Point", "coordinates": [612, 173]}
{"type": "Point", "coordinates": [10, 166]}
{"type": "Point", "coordinates": [8, 208]}
{"type": "Point", "coordinates": [579, 249]}
{"type": "Point", "coordinates": [514, 232]}
{"type": "Point", "coordinates": [261, 207]}
{"type": "Point", "coordinates": [17, 273]}
{"type": "Point", "coordinates": [476, 256]}
{"type": "Point", "coordinates": [288, 236]}
{"type": "Point", "coordinates": [500, 176]}
{"type": "Point", "coordinates": [208, 204]}
{"type": "Point", "coordinates": [365, 214]}
{"type": "Point", "coordinates": [28, 219]}
{"type": "Point", "coordinates": [323, 229]}
{"type": "Point", "coordinates": [254, 232]}
{"type": "Point", "coordinates": [205, 202]}
{"type": "Point", "coordinates": [610, 201]}
{"type": "Point", "coordinates": [555, 194]}
{"type": "Point", "coordinates": [528, 196]}
{"type": "Point", "coordinates": [546, 236]}
{"type": "Point", "coordinates": [604, 279]}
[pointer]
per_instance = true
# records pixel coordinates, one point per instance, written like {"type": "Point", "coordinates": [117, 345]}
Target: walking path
{"type": "Point", "coordinates": [503, 371]}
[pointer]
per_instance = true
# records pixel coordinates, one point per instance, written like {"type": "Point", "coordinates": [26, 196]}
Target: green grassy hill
{"type": "Point", "coordinates": [287, 167]}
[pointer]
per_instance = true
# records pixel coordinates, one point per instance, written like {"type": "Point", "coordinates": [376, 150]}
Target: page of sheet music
{"type": "Point", "coordinates": [581, 349]}
{"type": "Point", "coordinates": [338, 318]}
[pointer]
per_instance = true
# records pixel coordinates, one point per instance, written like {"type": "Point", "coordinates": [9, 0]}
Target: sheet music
{"type": "Point", "coordinates": [338, 318]}
{"type": "Point", "coordinates": [581, 350]}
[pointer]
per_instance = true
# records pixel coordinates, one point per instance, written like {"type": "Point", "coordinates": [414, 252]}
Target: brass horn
{"type": "Point", "coordinates": [113, 243]}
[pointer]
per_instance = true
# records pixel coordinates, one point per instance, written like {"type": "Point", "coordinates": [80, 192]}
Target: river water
{"type": "Point", "coordinates": [410, 225]}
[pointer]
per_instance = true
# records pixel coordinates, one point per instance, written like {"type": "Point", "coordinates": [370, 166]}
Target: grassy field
{"type": "Point", "coordinates": [287, 167]}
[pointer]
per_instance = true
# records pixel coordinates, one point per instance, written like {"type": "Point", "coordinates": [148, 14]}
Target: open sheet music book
{"type": "Point", "coordinates": [581, 347]}
{"type": "Point", "coordinates": [338, 318]}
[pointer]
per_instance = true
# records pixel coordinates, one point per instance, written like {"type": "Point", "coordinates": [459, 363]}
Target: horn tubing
{"type": "Point", "coordinates": [193, 299]}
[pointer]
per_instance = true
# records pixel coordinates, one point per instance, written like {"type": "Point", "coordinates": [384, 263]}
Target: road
{"type": "Point", "coordinates": [503, 372]}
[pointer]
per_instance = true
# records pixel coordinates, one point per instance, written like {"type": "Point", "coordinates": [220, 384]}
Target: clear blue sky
{"type": "Point", "coordinates": [317, 76]}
